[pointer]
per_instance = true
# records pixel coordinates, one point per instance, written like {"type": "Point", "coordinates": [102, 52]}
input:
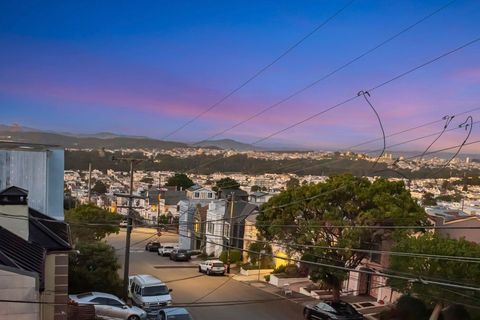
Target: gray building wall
{"type": "Point", "coordinates": [40, 172]}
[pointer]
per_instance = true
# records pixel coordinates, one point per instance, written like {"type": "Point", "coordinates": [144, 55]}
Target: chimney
{"type": "Point", "coordinates": [14, 211]}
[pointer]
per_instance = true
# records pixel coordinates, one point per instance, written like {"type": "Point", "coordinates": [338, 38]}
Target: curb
{"type": "Point", "coordinates": [171, 266]}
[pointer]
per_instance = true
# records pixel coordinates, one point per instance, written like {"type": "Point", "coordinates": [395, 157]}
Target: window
{"type": "Point", "coordinates": [99, 301]}
{"type": "Point", "coordinates": [197, 195]}
{"type": "Point", "coordinates": [113, 302]}
{"type": "Point", "coordinates": [210, 195]}
{"type": "Point", "coordinates": [210, 227]}
{"type": "Point", "coordinates": [155, 291]}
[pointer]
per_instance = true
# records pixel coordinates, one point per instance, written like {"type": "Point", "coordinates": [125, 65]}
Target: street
{"type": "Point", "coordinates": [190, 286]}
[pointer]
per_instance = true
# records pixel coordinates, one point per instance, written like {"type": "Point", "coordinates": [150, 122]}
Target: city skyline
{"type": "Point", "coordinates": [146, 71]}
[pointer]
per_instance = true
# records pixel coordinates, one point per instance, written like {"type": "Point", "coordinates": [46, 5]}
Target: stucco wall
{"type": "Point", "coordinates": [16, 226]}
{"type": "Point", "coordinates": [15, 286]}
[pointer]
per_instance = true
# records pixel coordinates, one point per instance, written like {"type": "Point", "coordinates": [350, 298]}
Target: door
{"type": "Point", "coordinates": [116, 310]}
{"type": "Point", "coordinates": [102, 309]}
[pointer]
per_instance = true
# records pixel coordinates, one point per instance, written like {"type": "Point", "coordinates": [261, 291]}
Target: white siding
{"type": "Point", "coordinates": [15, 286]}
{"type": "Point", "coordinates": [39, 172]}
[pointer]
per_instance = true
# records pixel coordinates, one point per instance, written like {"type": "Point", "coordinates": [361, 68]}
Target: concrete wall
{"type": "Point", "coordinates": [18, 286]}
{"type": "Point", "coordinates": [40, 172]}
{"type": "Point", "coordinates": [16, 226]}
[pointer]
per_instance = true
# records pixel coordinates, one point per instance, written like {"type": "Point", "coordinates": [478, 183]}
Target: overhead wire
{"type": "Point", "coordinates": [331, 73]}
{"type": "Point", "coordinates": [260, 71]}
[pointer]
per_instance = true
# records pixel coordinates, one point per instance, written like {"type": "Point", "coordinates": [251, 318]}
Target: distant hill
{"type": "Point", "coordinates": [91, 141]}
{"type": "Point", "coordinates": [226, 144]}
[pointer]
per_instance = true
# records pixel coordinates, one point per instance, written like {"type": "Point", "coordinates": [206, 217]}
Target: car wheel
{"type": "Point", "coordinates": [134, 317]}
{"type": "Point", "coordinates": [199, 269]}
{"type": "Point", "coordinates": [159, 253]}
{"type": "Point", "coordinates": [208, 271]}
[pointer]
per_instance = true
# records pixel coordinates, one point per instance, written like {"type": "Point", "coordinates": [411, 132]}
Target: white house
{"type": "Point", "coordinates": [215, 227]}
{"type": "Point", "coordinates": [197, 192]}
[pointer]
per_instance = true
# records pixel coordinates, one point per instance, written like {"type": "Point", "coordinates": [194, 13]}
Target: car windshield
{"type": "Point", "coordinates": [155, 291]}
{"type": "Point", "coordinates": [179, 317]}
{"type": "Point", "coordinates": [218, 264]}
{"type": "Point", "coordinates": [84, 295]}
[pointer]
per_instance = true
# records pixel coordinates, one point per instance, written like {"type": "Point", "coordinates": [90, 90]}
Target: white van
{"type": "Point", "coordinates": [149, 293]}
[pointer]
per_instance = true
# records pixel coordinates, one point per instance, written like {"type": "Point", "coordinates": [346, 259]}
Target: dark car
{"type": "Point", "coordinates": [332, 310]}
{"type": "Point", "coordinates": [174, 314]}
{"type": "Point", "coordinates": [152, 246]}
{"type": "Point", "coordinates": [179, 255]}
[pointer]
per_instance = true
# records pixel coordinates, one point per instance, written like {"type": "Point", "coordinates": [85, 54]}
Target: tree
{"type": "Point", "coordinates": [94, 267]}
{"type": "Point", "coordinates": [90, 223]}
{"type": "Point", "coordinates": [255, 188]}
{"type": "Point", "coordinates": [293, 183]}
{"type": "Point", "coordinates": [406, 308]}
{"type": "Point", "coordinates": [428, 199]}
{"type": "Point", "coordinates": [459, 271]}
{"type": "Point", "coordinates": [180, 180]}
{"type": "Point", "coordinates": [344, 201]}
{"type": "Point", "coordinates": [226, 183]}
{"type": "Point", "coordinates": [100, 187]}
{"type": "Point", "coordinates": [266, 260]}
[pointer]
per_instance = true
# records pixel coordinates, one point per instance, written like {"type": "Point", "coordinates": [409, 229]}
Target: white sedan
{"type": "Point", "coordinates": [108, 306]}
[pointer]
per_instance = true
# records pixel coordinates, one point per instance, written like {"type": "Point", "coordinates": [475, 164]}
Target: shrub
{"type": "Point", "coordinates": [235, 256]}
{"type": "Point", "coordinates": [267, 277]}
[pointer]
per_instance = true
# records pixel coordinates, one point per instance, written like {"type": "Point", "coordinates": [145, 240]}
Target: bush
{"type": "Point", "coordinates": [267, 277]}
{"type": "Point", "coordinates": [235, 256]}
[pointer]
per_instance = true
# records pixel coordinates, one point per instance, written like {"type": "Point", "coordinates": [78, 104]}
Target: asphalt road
{"type": "Point", "coordinates": [190, 286]}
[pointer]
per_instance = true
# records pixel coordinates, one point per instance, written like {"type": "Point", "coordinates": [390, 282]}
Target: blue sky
{"type": "Point", "coordinates": [145, 68]}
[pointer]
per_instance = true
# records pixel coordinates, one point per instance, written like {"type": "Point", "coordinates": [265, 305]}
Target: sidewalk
{"type": "Point", "coordinates": [364, 304]}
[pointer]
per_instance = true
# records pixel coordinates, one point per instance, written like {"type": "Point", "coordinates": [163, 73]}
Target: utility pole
{"type": "Point", "coordinates": [130, 196]}
{"type": "Point", "coordinates": [89, 181]}
{"type": "Point", "coordinates": [232, 201]}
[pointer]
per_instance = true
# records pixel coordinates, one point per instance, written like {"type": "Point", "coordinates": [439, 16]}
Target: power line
{"type": "Point", "coordinates": [326, 76]}
{"type": "Point", "coordinates": [381, 274]}
{"type": "Point", "coordinates": [260, 71]}
{"type": "Point", "coordinates": [378, 86]}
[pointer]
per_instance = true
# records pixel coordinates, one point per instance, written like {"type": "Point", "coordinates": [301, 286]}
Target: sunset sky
{"type": "Point", "coordinates": [147, 67]}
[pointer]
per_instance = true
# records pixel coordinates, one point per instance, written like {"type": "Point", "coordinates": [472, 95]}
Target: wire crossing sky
{"type": "Point", "coordinates": [148, 68]}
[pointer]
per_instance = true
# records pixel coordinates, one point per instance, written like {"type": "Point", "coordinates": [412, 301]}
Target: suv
{"type": "Point", "coordinates": [212, 267]}
{"type": "Point", "coordinates": [166, 249]}
{"type": "Point", "coordinates": [149, 293]}
{"type": "Point", "coordinates": [152, 246]}
{"type": "Point", "coordinates": [179, 255]}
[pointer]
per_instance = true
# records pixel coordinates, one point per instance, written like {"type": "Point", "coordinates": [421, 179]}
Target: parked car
{"type": "Point", "coordinates": [123, 223]}
{"type": "Point", "coordinates": [174, 314]}
{"type": "Point", "coordinates": [179, 255]}
{"type": "Point", "coordinates": [211, 267]}
{"type": "Point", "coordinates": [152, 246]}
{"type": "Point", "coordinates": [108, 306]}
{"type": "Point", "coordinates": [332, 310]}
{"type": "Point", "coordinates": [166, 249]}
{"type": "Point", "coordinates": [149, 293]}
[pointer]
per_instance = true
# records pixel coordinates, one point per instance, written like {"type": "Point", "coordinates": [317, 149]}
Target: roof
{"type": "Point", "coordinates": [237, 193]}
{"type": "Point", "coordinates": [195, 187]}
{"type": "Point", "coordinates": [147, 279]}
{"type": "Point", "coordinates": [19, 253]}
{"type": "Point", "coordinates": [21, 146]}
{"type": "Point", "coordinates": [258, 194]}
{"type": "Point", "coordinates": [241, 210]}
{"type": "Point", "coordinates": [14, 191]}
{"type": "Point", "coordinates": [52, 234]}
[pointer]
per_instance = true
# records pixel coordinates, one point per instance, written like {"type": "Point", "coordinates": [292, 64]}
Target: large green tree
{"type": "Point", "coordinates": [180, 180]}
{"type": "Point", "coordinates": [439, 270]}
{"type": "Point", "coordinates": [328, 214]}
{"type": "Point", "coordinates": [94, 267]}
{"type": "Point", "coordinates": [90, 223]}
{"type": "Point", "coordinates": [226, 183]}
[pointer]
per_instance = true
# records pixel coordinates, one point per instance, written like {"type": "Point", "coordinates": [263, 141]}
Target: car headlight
{"type": "Point", "coordinates": [169, 302]}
